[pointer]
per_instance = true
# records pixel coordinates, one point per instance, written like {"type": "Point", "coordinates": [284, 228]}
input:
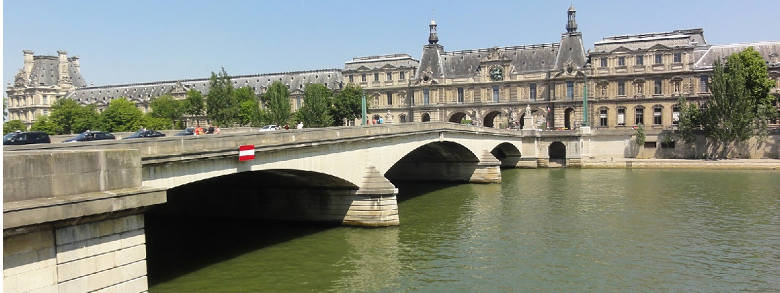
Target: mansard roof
{"type": "Point", "coordinates": [381, 61]}
{"type": "Point", "coordinates": [45, 71]}
{"type": "Point", "coordinates": [529, 58]}
{"type": "Point", "coordinates": [706, 56]}
{"type": "Point", "coordinates": [332, 78]}
{"type": "Point", "coordinates": [676, 38]}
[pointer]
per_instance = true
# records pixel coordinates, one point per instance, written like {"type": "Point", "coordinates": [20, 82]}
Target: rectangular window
{"type": "Point", "coordinates": [677, 57]}
{"type": "Point", "coordinates": [657, 116]}
{"type": "Point", "coordinates": [659, 58]}
{"type": "Point", "coordinates": [603, 62]}
{"type": "Point", "coordinates": [640, 60]}
{"type": "Point", "coordinates": [460, 95]}
{"type": "Point", "coordinates": [45, 112]}
{"type": "Point", "coordinates": [297, 103]}
{"type": "Point", "coordinates": [603, 117]}
{"type": "Point", "coordinates": [389, 76]}
{"type": "Point", "coordinates": [621, 116]}
{"type": "Point", "coordinates": [426, 97]}
{"type": "Point", "coordinates": [675, 115]}
{"type": "Point", "coordinates": [45, 101]}
{"type": "Point", "coordinates": [621, 88]}
{"type": "Point", "coordinates": [657, 86]}
{"type": "Point", "coordinates": [402, 75]}
{"type": "Point", "coordinates": [495, 94]}
{"type": "Point", "coordinates": [569, 90]}
{"type": "Point", "coordinates": [533, 92]}
{"type": "Point", "coordinates": [376, 76]}
{"type": "Point", "coordinates": [703, 84]}
{"type": "Point", "coordinates": [650, 145]}
{"type": "Point", "coordinates": [621, 61]}
{"type": "Point", "coordinates": [363, 77]}
{"type": "Point", "coordinates": [351, 78]}
{"type": "Point", "coordinates": [639, 116]}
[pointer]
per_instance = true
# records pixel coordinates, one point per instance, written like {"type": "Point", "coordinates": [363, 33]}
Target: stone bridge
{"type": "Point", "coordinates": [73, 213]}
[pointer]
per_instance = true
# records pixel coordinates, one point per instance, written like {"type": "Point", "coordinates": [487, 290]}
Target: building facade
{"type": "Point", "coordinates": [627, 80]}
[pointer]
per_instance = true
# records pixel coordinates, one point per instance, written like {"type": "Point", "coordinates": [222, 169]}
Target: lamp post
{"type": "Point", "coordinates": [363, 106]}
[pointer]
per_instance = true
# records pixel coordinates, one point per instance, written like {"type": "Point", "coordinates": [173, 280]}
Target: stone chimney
{"type": "Point", "coordinates": [63, 65]}
{"type": "Point", "coordinates": [75, 61]}
{"type": "Point", "coordinates": [28, 63]}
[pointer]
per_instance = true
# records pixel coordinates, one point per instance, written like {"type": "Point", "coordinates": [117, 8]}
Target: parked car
{"type": "Point", "coordinates": [92, 136]}
{"type": "Point", "coordinates": [270, 127]}
{"type": "Point", "coordinates": [185, 132]}
{"type": "Point", "coordinates": [18, 138]}
{"type": "Point", "coordinates": [145, 134]}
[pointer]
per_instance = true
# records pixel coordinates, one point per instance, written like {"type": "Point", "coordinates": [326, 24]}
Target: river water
{"type": "Point", "coordinates": [553, 230]}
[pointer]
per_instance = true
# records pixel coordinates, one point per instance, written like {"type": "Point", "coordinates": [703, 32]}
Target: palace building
{"type": "Point", "coordinates": [625, 81]}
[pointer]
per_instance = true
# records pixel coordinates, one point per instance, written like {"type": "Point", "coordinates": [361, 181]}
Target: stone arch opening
{"type": "Point", "coordinates": [458, 117]}
{"type": "Point", "coordinates": [436, 161]}
{"type": "Point", "coordinates": [557, 151]}
{"type": "Point", "coordinates": [508, 154]}
{"type": "Point", "coordinates": [568, 118]}
{"type": "Point", "coordinates": [491, 119]}
{"type": "Point", "coordinates": [425, 117]}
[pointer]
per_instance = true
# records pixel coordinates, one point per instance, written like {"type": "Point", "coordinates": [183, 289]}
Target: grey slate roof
{"type": "Point", "coordinates": [530, 58]}
{"type": "Point", "coordinates": [705, 56]}
{"type": "Point", "coordinates": [381, 61]}
{"type": "Point", "coordinates": [45, 71]}
{"type": "Point", "coordinates": [143, 92]}
{"type": "Point", "coordinates": [676, 38]}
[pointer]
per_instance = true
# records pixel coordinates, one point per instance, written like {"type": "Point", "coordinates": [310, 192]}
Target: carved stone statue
{"type": "Point", "coordinates": [388, 117]}
{"type": "Point", "coordinates": [528, 110]}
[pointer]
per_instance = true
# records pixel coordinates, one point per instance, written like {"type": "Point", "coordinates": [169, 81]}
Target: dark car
{"type": "Point", "coordinates": [17, 138]}
{"type": "Point", "coordinates": [185, 132]}
{"type": "Point", "coordinates": [145, 134]}
{"type": "Point", "coordinates": [91, 136]}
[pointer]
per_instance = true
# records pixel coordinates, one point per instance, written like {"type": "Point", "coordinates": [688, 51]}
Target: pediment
{"type": "Point", "coordinates": [388, 66]}
{"type": "Point", "coordinates": [659, 47]}
{"type": "Point", "coordinates": [620, 49]}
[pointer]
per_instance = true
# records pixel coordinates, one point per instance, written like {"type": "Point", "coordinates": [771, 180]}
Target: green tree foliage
{"type": "Point", "coordinates": [640, 135]}
{"type": "Point", "coordinates": [248, 106]}
{"type": "Point", "coordinates": [194, 104]}
{"type": "Point", "coordinates": [221, 104]}
{"type": "Point", "coordinates": [347, 104]}
{"type": "Point", "coordinates": [121, 115]}
{"type": "Point", "coordinates": [44, 123]}
{"type": "Point", "coordinates": [13, 125]}
{"type": "Point", "coordinates": [156, 123]}
{"type": "Point", "coordinates": [70, 117]}
{"type": "Point", "coordinates": [277, 104]}
{"type": "Point", "coordinates": [167, 108]}
{"type": "Point", "coordinates": [317, 106]}
{"type": "Point", "coordinates": [689, 120]}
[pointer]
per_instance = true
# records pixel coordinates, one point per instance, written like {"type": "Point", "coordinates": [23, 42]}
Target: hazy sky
{"type": "Point", "coordinates": [123, 42]}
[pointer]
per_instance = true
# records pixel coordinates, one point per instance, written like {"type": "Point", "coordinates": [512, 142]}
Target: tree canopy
{"type": "Point", "coordinates": [194, 104]}
{"type": "Point", "coordinates": [277, 104]}
{"type": "Point", "coordinates": [317, 106]}
{"type": "Point", "coordinates": [44, 123]}
{"type": "Point", "coordinates": [248, 106]}
{"type": "Point", "coordinates": [347, 104]}
{"type": "Point", "coordinates": [167, 108]}
{"type": "Point", "coordinates": [13, 125]}
{"type": "Point", "coordinates": [121, 115]}
{"type": "Point", "coordinates": [740, 105]}
{"type": "Point", "coordinates": [70, 117]}
{"type": "Point", "coordinates": [221, 104]}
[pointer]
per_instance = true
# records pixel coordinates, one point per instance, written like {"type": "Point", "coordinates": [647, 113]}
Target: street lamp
{"type": "Point", "coordinates": [585, 100]}
{"type": "Point", "coordinates": [363, 105]}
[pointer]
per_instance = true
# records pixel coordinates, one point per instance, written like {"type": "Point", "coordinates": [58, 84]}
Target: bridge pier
{"type": "Point", "coordinates": [375, 203]}
{"type": "Point", "coordinates": [488, 169]}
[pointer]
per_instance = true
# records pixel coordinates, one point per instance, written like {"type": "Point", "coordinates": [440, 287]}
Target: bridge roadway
{"type": "Point", "coordinates": [73, 213]}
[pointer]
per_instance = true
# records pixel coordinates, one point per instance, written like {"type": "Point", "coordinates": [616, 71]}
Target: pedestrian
{"type": "Point", "coordinates": [381, 121]}
{"type": "Point", "coordinates": [216, 129]}
{"type": "Point", "coordinates": [300, 125]}
{"type": "Point", "coordinates": [210, 129]}
{"type": "Point", "coordinates": [198, 130]}
{"type": "Point", "coordinates": [286, 126]}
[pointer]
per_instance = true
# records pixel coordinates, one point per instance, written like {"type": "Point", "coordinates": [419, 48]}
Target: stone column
{"type": "Point", "coordinates": [375, 203]}
{"type": "Point", "coordinates": [488, 169]}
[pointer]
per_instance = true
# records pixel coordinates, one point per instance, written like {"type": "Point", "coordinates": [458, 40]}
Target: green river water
{"type": "Point", "coordinates": [545, 230]}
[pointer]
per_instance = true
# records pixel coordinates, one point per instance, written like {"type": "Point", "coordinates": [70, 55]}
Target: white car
{"type": "Point", "coordinates": [269, 127]}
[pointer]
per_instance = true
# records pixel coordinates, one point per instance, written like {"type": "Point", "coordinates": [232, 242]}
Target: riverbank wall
{"type": "Point", "coordinates": [725, 164]}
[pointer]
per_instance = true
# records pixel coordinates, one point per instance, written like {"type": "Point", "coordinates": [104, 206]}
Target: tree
{"type": "Point", "coordinates": [640, 135]}
{"type": "Point", "coordinates": [317, 106]}
{"type": "Point", "coordinates": [167, 108]}
{"type": "Point", "coordinates": [70, 117]}
{"type": "Point", "coordinates": [44, 123]}
{"type": "Point", "coordinates": [151, 122]}
{"type": "Point", "coordinates": [689, 120]}
{"type": "Point", "coordinates": [277, 104]}
{"type": "Point", "coordinates": [221, 104]}
{"type": "Point", "coordinates": [248, 106]}
{"type": "Point", "coordinates": [347, 105]}
{"type": "Point", "coordinates": [13, 125]}
{"type": "Point", "coordinates": [121, 115]}
{"type": "Point", "coordinates": [193, 104]}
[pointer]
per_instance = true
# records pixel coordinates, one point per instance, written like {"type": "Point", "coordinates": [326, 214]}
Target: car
{"type": "Point", "coordinates": [145, 134]}
{"type": "Point", "coordinates": [31, 137]}
{"type": "Point", "coordinates": [185, 132]}
{"type": "Point", "coordinates": [270, 127]}
{"type": "Point", "coordinates": [92, 136]}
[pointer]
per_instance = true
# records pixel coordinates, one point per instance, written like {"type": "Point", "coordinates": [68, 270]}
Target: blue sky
{"type": "Point", "coordinates": [141, 41]}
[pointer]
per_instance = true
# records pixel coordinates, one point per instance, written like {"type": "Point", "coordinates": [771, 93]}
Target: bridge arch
{"type": "Point", "coordinates": [508, 154]}
{"type": "Point", "coordinates": [557, 151]}
{"type": "Point", "coordinates": [457, 117]}
{"type": "Point", "coordinates": [435, 161]}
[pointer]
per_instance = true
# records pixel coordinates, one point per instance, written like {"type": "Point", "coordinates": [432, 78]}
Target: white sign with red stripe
{"type": "Point", "coordinates": [246, 152]}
